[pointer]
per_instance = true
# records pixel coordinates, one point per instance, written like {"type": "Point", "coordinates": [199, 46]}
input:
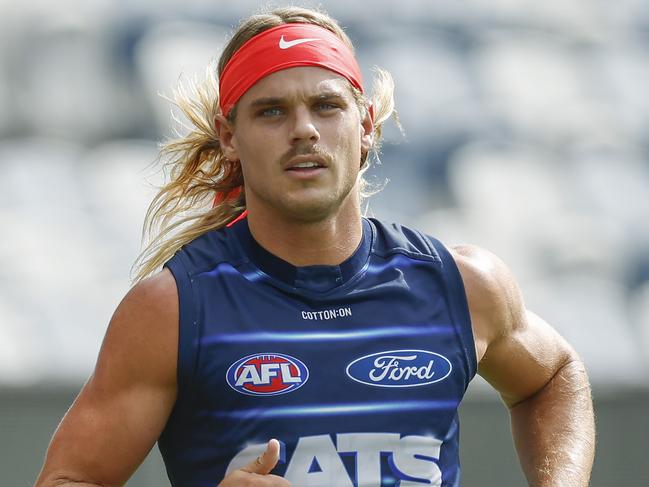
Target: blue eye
{"type": "Point", "coordinates": [271, 112]}
{"type": "Point", "coordinates": [327, 106]}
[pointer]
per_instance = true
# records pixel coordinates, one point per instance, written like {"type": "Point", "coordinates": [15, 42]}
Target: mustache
{"type": "Point", "coordinates": [306, 150]}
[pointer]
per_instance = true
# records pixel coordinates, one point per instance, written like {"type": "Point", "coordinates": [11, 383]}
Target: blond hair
{"type": "Point", "coordinates": [184, 208]}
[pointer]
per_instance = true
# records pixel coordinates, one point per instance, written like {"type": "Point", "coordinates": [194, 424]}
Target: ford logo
{"type": "Point", "coordinates": [400, 368]}
{"type": "Point", "coordinates": [266, 374]}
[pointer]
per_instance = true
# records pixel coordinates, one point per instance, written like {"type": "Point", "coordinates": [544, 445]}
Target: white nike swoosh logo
{"type": "Point", "coordinates": [287, 44]}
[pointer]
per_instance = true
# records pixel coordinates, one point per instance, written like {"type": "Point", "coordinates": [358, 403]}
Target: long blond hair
{"type": "Point", "coordinates": [184, 208]}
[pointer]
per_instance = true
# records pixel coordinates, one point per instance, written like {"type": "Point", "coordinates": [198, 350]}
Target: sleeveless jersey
{"type": "Point", "coordinates": [357, 369]}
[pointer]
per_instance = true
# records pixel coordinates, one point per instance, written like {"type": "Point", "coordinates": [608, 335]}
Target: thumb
{"type": "Point", "coordinates": [265, 462]}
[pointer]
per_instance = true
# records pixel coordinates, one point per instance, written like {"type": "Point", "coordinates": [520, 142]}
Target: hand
{"type": "Point", "coordinates": [257, 472]}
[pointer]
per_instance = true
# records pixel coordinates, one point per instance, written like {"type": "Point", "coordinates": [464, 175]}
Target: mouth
{"type": "Point", "coordinates": [306, 163]}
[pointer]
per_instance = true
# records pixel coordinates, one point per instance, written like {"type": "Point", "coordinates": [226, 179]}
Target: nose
{"type": "Point", "coordinates": [304, 127]}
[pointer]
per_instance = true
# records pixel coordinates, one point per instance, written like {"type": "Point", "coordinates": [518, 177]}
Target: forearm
{"type": "Point", "coordinates": [64, 482]}
{"type": "Point", "coordinates": [554, 430]}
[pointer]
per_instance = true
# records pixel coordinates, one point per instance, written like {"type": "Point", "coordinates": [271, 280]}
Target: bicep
{"type": "Point", "coordinates": [124, 406]}
{"type": "Point", "coordinates": [525, 357]}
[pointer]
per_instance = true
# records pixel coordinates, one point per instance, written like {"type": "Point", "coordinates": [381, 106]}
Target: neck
{"type": "Point", "coordinates": [326, 242]}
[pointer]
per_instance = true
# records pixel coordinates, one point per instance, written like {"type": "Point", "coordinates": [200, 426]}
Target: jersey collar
{"type": "Point", "coordinates": [319, 278]}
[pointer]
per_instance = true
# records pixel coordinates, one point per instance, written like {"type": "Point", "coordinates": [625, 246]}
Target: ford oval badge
{"type": "Point", "coordinates": [400, 368]}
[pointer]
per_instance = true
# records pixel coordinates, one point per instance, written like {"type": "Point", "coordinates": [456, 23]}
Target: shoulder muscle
{"type": "Point", "coordinates": [495, 301]}
{"type": "Point", "coordinates": [141, 340]}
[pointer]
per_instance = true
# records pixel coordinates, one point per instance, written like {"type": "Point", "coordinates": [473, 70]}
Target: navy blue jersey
{"type": "Point", "coordinates": [357, 369]}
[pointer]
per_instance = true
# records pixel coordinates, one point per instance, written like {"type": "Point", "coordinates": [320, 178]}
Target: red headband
{"type": "Point", "coordinates": [282, 47]}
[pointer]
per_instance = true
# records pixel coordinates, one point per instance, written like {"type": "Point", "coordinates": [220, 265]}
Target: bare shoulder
{"type": "Point", "coordinates": [152, 301]}
{"type": "Point", "coordinates": [157, 293]}
{"type": "Point", "coordinates": [495, 301]}
{"type": "Point", "coordinates": [483, 273]}
{"type": "Point", "coordinates": [145, 327]}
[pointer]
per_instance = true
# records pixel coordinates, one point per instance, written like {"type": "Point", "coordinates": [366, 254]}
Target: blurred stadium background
{"type": "Point", "coordinates": [527, 132]}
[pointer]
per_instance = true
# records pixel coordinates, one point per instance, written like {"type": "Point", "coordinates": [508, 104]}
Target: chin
{"type": "Point", "coordinates": [311, 210]}
{"type": "Point", "coordinates": [309, 213]}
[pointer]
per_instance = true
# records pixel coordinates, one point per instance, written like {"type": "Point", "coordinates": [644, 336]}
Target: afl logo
{"type": "Point", "coordinates": [400, 368]}
{"type": "Point", "coordinates": [267, 374]}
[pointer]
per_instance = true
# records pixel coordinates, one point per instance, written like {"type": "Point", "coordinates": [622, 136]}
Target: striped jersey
{"type": "Point", "coordinates": [357, 369]}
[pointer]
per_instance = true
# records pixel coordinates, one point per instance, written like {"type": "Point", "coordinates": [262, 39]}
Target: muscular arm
{"type": "Point", "coordinates": [124, 406]}
{"type": "Point", "coordinates": [538, 374]}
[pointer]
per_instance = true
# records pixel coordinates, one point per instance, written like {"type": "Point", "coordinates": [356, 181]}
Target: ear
{"type": "Point", "coordinates": [225, 132]}
{"type": "Point", "coordinates": [367, 131]}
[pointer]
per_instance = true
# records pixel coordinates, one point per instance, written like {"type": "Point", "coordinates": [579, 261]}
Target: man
{"type": "Point", "coordinates": [297, 337]}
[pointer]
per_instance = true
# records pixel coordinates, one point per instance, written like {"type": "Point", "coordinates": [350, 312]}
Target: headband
{"type": "Point", "coordinates": [282, 47]}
